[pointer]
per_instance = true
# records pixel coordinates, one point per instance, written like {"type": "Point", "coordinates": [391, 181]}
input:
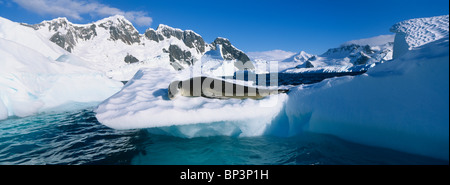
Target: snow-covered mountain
{"type": "Point", "coordinates": [300, 57]}
{"type": "Point", "coordinates": [355, 55]}
{"type": "Point", "coordinates": [113, 45]}
{"type": "Point", "coordinates": [351, 56]}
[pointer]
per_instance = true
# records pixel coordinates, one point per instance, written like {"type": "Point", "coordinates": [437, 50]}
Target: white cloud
{"type": "Point", "coordinates": [277, 55]}
{"type": "Point", "coordinates": [373, 41]}
{"type": "Point", "coordinates": [75, 9]}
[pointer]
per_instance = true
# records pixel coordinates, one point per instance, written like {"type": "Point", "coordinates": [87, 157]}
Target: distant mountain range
{"type": "Point", "coordinates": [114, 46]}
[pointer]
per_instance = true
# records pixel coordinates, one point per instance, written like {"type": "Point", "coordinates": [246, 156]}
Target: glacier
{"type": "Point", "coordinates": [400, 104]}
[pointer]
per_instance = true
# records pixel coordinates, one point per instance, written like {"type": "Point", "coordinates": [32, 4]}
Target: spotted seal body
{"type": "Point", "coordinates": [217, 88]}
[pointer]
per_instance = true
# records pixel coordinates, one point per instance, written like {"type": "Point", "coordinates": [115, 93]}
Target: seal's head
{"type": "Point", "coordinates": [174, 89]}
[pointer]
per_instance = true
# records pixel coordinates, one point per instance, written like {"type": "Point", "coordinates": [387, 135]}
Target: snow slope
{"type": "Point", "coordinates": [32, 80]}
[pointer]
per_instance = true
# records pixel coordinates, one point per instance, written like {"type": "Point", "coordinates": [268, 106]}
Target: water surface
{"type": "Point", "coordinates": [76, 137]}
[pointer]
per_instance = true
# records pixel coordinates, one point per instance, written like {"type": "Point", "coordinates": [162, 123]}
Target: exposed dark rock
{"type": "Point", "coordinates": [129, 59]}
{"type": "Point", "coordinates": [124, 32]}
{"type": "Point", "coordinates": [170, 32]}
{"type": "Point", "coordinates": [352, 48]}
{"type": "Point", "coordinates": [229, 52]}
{"type": "Point", "coordinates": [308, 64]}
{"type": "Point", "coordinates": [367, 49]}
{"type": "Point", "coordinates": [69, 39]}
{"type": "Point", "coordinates": [68, 35]}
{"type": "Point", "coordinates": [176, 54]}
{"type": "Point", "coordinates": [152, 35]}
{"type": "Point", "coordinates": [192, 40]}
{"type": "Point", "coordinates": [86, 33]}
{"type": "Point", "coordinates": [361, 59]}
{"type": "Point", "coordinates": [66, 41]}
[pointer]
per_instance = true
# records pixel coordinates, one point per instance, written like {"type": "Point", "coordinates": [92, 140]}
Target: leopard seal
{"type": "Point", "coordinates": [217, 88]}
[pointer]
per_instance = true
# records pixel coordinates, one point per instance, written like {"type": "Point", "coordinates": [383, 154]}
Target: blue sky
{"type": "Point", "coordinates": [251, 25]}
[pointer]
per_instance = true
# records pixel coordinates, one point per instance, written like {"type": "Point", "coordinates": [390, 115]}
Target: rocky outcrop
{"type": "Point", "coordinates": [307, 64]}
{"type": "Point", "coordinates": [229, 52]}
{"type": "Point", "coordinates": [152, 35]}
{"type": "Point", "coordinates": [176, 54]}
{"type": "Point", "coordinates": [361, 58]}
{"type": "Point", "coordinates": [65, 34]}
{"type": "Point", "coordinates": [130, 59]}
{"type": "Point", "coordinates": [189, 38]}
{"type": "Point", "coordinates": [121, 29]}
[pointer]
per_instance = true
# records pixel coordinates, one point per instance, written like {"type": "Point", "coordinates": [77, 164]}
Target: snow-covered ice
{"type": "Point", "coordinates": [402, 104]}
{"type": "Point", "coordinates": [143, 103]}
{"type": "Point", "coordinates": [417, 32]}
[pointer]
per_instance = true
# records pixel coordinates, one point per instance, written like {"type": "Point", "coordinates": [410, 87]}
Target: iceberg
{"type": "Point", "coordinates": [33, 80]}
{"type": "Point", "coordinates": [400, 104]}
{"type": "Point", "coordinates": [144, 103]}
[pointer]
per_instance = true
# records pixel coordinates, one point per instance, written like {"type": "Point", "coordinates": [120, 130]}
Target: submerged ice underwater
{"type": "Point", "coordinates": [396, 113]}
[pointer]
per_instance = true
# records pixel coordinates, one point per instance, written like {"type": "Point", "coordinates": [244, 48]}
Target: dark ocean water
{"type": "Point", "coordinates": [283, 79]}
{"type": "Point", "coordinates": [76, 137]}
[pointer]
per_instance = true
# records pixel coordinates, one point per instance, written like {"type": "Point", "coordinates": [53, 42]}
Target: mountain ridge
{"type": "Point", "coordinates": [182, 48]}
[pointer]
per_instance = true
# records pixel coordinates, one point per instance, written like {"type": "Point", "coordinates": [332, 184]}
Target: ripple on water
{"type": "Point", "coordinates": [78, 138]}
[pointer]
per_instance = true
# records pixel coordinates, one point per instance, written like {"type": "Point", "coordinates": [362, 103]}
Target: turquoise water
{"type": "Point", "coordinates": [76, 137]}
